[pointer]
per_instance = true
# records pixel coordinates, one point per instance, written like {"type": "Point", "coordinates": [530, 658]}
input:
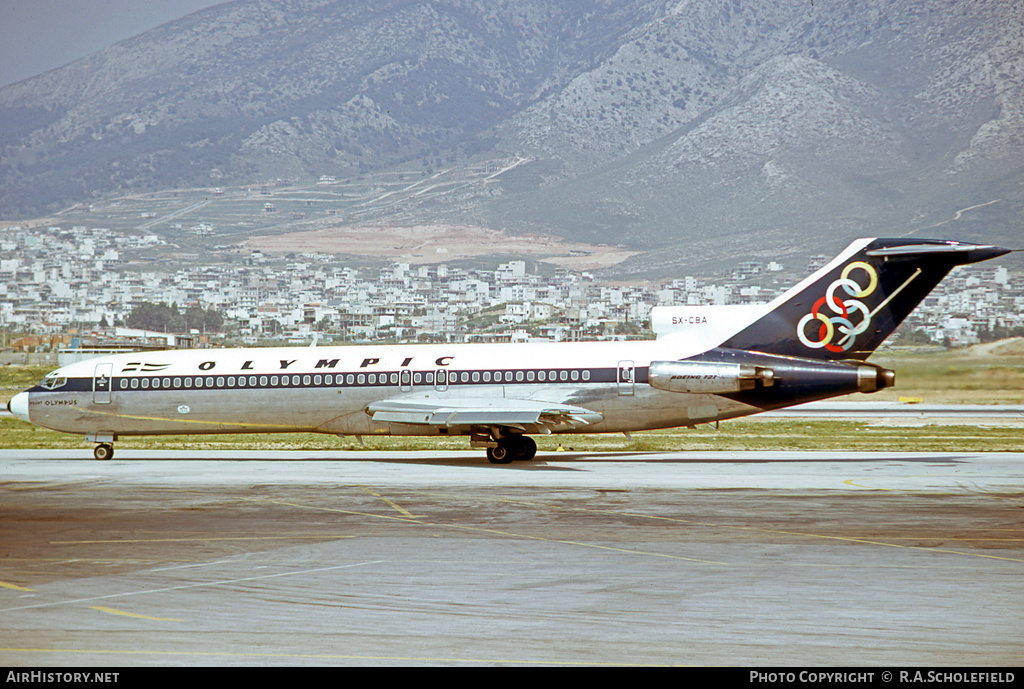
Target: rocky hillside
{"type": "Point", "coordinates": [679, 126]}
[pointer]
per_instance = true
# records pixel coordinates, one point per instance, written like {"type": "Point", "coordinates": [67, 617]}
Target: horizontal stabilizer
{"type": "Point", "coordinates": [966, 253]}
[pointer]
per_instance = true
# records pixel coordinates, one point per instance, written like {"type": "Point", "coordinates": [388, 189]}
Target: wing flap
{"type": "Point", "coordinates": [481, 412]}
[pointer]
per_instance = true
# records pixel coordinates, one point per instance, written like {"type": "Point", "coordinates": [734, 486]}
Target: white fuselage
{"type": "Point", "coordinates": [328, 389]}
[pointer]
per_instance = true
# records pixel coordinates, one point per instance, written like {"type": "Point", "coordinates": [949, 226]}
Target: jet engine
{"type": "Point", "coordinates": [765, 379]}
{"type": "Point", "coordinates": [713, 377]}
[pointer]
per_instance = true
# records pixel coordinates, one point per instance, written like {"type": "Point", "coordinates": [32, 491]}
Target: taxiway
{"type": "Point", "coordinates": [313, 558]}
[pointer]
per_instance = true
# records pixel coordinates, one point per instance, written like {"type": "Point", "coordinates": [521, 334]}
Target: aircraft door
{"type": "Point", "coordinates": [405, 380]}
{"type": "Point", "coordinates": [102, 382]}
{"type": "Point", "coordinates": [625, 378]}
{"type": "Point", "coordinates": [441, 379]}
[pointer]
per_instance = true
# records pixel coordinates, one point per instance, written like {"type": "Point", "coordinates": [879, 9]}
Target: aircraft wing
{"type": "Point", "coordinates": [525, 415]}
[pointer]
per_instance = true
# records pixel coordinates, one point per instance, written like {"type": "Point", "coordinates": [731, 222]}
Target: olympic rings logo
{"type": "Point", "coordinates": [842, 323]}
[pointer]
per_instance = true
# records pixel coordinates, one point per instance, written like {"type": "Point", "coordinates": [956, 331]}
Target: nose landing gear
{"type": "Point", "coordinates": [104, 449]}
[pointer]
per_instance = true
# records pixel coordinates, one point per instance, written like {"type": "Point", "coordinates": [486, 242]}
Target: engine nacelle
{"type": "Point", "coordinates": [766, 380]}
{"type": "Point", "coordinates": [706, 376]}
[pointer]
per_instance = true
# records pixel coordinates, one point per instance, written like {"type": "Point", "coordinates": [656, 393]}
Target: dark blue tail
{"type": "Point", "coordinates": [846, 309]}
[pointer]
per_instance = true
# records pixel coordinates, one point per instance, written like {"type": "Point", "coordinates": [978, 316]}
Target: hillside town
{"type": "Point", "coordinates": [72, 287]}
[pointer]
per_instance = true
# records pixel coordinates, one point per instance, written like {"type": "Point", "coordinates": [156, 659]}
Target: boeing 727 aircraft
{"type": "Point", "coordinates": [713, 363]}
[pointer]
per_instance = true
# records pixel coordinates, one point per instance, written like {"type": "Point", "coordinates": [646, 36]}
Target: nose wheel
{"type": "Point", "coordinates": [103, 451]}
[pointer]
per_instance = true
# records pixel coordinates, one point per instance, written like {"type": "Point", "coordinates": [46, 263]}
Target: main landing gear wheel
{"type": "Point", "coordinates": [514, 448]}
{"type": "Point", "coordinates": [103, 451]}
{"type": "Point", "coordinates": [499, 454]}
{"type": "Point", "coordinates": [524, 448]}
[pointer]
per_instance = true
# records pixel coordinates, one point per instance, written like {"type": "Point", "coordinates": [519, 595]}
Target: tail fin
{"type": "Point", "coordinates": [846, 309]}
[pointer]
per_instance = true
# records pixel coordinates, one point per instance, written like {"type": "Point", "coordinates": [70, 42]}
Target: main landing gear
{"type": "Point", "coordinates": [512, 448]}
{"type": "Point", "coordinates": [103, 451]}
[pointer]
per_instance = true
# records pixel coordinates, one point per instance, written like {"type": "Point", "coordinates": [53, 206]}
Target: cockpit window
{"type": "Point", "coordinates": [54, 381]}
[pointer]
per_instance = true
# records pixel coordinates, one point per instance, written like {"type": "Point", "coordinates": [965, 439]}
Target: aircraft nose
{"type": "Point", "coordinates": [19, 406]}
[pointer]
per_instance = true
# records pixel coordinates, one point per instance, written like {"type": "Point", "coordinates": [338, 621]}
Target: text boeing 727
{"type": "Point", "coordinates": [722, 362]}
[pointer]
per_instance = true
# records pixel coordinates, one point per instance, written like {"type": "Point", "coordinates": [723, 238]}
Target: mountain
{"type": "Point", "coordinates": [261, 89]}
{"type": "Point", "coordinates": [796, 123]}
{"type": "Point", "coordinates": [678, 127]}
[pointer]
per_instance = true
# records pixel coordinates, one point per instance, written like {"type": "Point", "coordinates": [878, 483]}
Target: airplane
{"type": "Point", "coordinates": [708, 363]}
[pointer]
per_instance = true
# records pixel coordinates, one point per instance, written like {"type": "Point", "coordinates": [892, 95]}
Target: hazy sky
{"type": "Point", "coordinates": [39, 35]}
